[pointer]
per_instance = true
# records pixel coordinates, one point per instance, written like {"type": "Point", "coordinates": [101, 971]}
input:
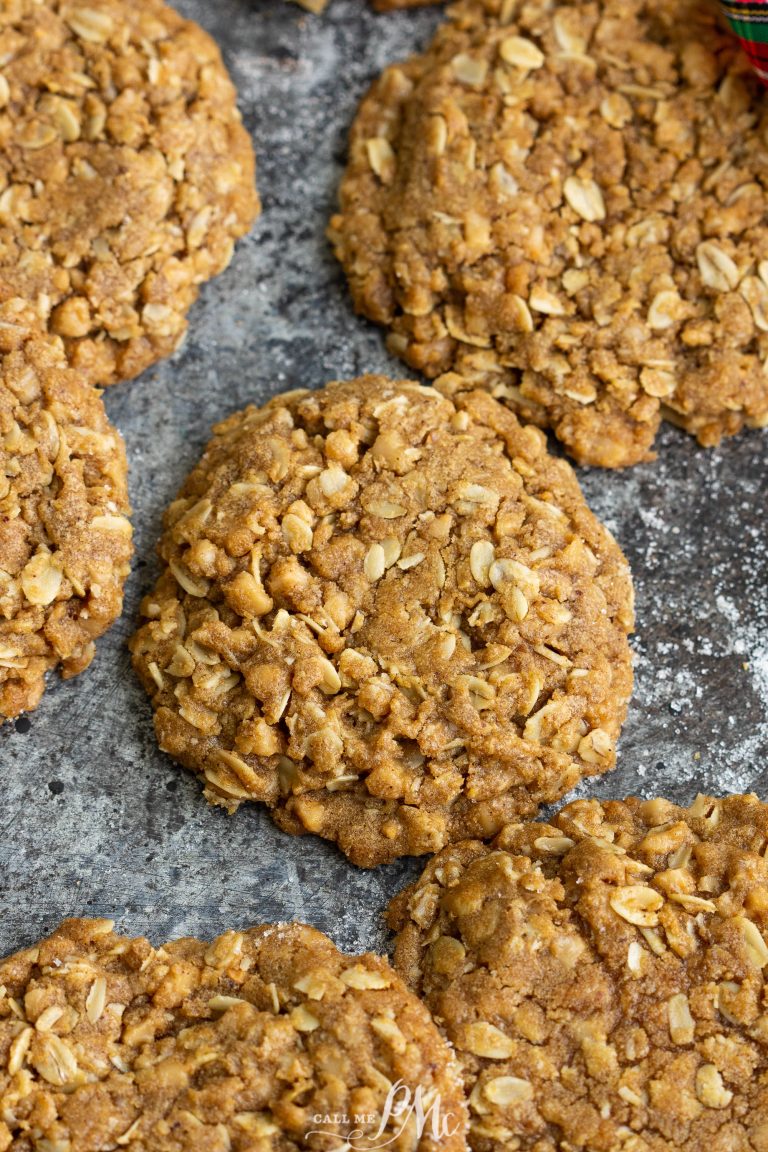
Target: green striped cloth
{"type": "Point", "coordinates": [749, 20]}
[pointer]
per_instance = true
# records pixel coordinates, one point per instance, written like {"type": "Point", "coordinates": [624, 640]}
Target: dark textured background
{"type": "Point", "coordinates": [94, 820]}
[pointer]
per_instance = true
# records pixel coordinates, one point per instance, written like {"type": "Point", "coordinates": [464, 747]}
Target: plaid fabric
{"type": "Point", "coordinates": [749, 20]}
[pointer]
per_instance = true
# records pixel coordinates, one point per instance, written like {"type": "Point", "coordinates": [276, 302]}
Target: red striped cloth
{"type": "Point", "coordinates": [749, 20]}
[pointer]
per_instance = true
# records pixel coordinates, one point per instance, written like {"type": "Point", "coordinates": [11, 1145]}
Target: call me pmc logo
{"type": "Point", "coordinates": [402, 1108]}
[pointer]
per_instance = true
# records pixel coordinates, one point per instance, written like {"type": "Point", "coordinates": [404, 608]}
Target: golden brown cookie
{"type": "Point", "coordinates": [603, 978]}
{"type": "Point", "coordinates": [65, 537]}
{"type": "Point", "coordinates": [249, 1044]}
{"type": "Point", "coordinates": [388, 615]}
{"type": "Point", "coordinates": [125, 174]}
{"type": "Point", "coordinates": [564, 204]}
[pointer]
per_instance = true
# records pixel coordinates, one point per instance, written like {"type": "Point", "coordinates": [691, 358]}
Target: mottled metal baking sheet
{"type": "Point", "coordinates": [94, 820]}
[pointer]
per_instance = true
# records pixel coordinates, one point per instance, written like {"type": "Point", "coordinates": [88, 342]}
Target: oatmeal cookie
{"type": "Point", "coordinates": [249, 1043]}
{"type": "Point", "coordinates": [65, 538]}
{"type": "Point", "coordinates": [603, 978]}
{"type": "Point", "coordinates": [564, 204]}
{"type": "Point", "coordinates": [125, 174]}
{"type": "Point", "coordinates": [388, 615]}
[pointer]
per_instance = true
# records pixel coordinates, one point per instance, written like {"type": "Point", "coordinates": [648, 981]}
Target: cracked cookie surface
{"type": "Point", "coordinates": [603, 977]}
{"type": "Point", "coordinates": [564, 204]}
{"type": "Point", "coordinates": [65, 537]}
{"type": "Point", "coordinates": [388, 615]}
{"type": "Point", "coordinates": [250, 1042]}
{"type": "Point", "coordinates": [126, 174]}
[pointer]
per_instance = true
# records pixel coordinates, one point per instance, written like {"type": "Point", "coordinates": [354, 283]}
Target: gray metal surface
{"type": "Point", "coordinates": [93, 818]}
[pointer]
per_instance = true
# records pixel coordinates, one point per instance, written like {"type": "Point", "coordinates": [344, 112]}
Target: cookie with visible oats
{"type": "Point", "coordinates": [251, 1042]}
{"type": "Point", "coordinates": [603, 978]}
{"type": "Point", "coordinates": [65, 537]}
{"type": "Point", "coordinates": [564, 204]}
{"type": "Point", "coordinates": [125, 174]}
{"type": "Point", "coordinates": [388, 615]}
